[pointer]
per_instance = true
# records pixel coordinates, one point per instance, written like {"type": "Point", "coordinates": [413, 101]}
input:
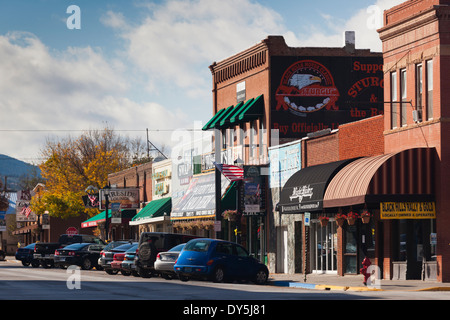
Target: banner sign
{"type": "Point", "coordinates": [407, 210]}
{"type": "Point", "coordinates": [127, 197]}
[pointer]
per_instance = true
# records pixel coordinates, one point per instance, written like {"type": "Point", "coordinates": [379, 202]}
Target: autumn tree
{"type": "Point", "coordinates": [73, 164]}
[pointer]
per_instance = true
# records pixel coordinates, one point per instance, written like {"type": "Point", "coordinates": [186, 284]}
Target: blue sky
{"type": "Point", "coordinates": [138, 64]}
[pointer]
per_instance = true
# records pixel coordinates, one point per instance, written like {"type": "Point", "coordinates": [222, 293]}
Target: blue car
{"type": "Point", "coordinates": [219, 261]}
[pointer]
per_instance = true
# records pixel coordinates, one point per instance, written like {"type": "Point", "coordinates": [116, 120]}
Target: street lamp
{"type": "Point", "coordinates": [106, 194]}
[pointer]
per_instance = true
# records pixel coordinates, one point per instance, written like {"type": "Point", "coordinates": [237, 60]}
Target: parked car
{"type": "Point", "coordinates": [2, 255]}
{"type": "Point", "coordinates": [84, 255]}
{"type": "Point", "coordinates": [26, 254]}
{"type": "Point", "coordinates": [114, 267]}
{"type": "Point", "coordinates": [106, 256]}
{"type": "Point", "coordinates": [44, 251]}
{"type": "Point", "coordinates": [165, 261]}
{"type": "Point", "coordinates": [218, 260]}
{"type": "Point", "coordinates": [150, 244]}
{"type": "Point", "coordinates": [128, 264]}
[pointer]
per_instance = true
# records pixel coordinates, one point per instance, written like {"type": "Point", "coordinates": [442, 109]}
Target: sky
{"type": "Point", "coordinates": [134, 65]}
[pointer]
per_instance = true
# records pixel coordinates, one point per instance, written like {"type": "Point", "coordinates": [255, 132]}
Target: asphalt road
{"type": "Point", "coordinates": [20, 283]}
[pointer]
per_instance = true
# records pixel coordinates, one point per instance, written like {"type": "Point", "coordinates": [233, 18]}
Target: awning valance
{"type": "Point", "coordinates": [233, 115]}
{"type": "Point", "coordinates": [305, 189]}
{"type": "Point", "coordinates": [154, 209]}
{"type": "Point", "coordinates": [93, 222]}
{"type": "Point", "coordinates": [400, 176]}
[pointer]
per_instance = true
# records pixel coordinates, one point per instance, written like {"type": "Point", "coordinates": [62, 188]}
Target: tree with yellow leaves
{"type": "Point", "coordinates": [71, 165]}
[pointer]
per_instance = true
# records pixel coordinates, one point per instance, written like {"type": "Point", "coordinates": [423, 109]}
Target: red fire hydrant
{"type": "Point", "coordinates": [364, 270]}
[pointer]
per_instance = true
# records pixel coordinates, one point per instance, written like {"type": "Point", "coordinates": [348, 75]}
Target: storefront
{"type": "Point", "coordinates": [303, 193]}
{"type": "Point", "coordinates": [396, 191]}
{"type": "Point", "coordinates": [195, 212]}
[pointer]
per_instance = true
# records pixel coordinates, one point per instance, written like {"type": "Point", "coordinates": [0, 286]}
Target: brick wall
{"type": "Point", "coordinates": [362, 138]}
{"type": "Point", "coordinates": [321, 150]}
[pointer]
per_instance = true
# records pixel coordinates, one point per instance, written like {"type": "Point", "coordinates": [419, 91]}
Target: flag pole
{"type": "Point", "coordinates": [218, 180]}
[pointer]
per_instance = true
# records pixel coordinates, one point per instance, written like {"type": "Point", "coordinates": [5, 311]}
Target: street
{"type": "Point", "coordinates": [26, 283]}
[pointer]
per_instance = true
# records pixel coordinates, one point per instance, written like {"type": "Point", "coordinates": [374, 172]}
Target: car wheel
{"type": "Point", "coordinates": [144, 273]}
{"type": "Point", "coordinates": [86, 264]}
{"type": "Point", "coordinates": [111, 271]}
{"type": "Point", "coordinates": [218, 274]}
{"type": "Point", "coordinates": [183, 278]}
{"type": "Point", "coordinates": [125, 273]}
{"type": "Point", "coordinates": [35, 263]}
{"type": "Point", "coordinates": [25, 263]}
{"type": "Point", "coordinates": [261, 276]}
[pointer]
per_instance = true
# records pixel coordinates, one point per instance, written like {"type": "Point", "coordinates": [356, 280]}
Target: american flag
{"type": "Point", "coordinates": [232, 173]}
{"type": "Point", "coordinates": [26, 210]}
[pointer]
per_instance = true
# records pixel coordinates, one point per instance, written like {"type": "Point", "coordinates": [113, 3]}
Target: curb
{"type": "Point", "coordinates": [292, 284]}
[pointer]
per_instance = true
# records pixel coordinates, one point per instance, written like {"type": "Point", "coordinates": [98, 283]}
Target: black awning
{"type": "Point", "coordinates": [305, 189]}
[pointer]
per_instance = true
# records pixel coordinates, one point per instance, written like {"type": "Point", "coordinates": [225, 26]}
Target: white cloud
{"type": "Point", "coordinates": [365, 23]}
{"type": "Point", "coordinates": [76, 89]}
{"type": "Point", "coordinates": [178, 40]}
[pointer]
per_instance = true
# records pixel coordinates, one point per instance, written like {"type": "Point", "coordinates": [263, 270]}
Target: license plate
{"type": "Point", "coordinates": [188, 269]}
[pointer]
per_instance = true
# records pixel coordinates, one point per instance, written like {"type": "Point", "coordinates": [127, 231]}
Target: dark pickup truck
{"type": "Point", "coordinates": [44, 252]}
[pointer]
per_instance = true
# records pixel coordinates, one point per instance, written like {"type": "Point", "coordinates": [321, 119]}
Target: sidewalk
{"type": "Point", "coordinates": [351, 283]}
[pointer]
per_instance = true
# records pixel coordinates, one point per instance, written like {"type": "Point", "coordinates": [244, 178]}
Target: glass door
{"type": "Point", "coordinates": [324, 248]}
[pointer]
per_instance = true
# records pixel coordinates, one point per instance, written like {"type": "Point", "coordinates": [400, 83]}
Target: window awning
{"type": "Point", "coordinates": [400, 176]}
{"type": "Point", "coordinates": [93, 222]}
{"type": "Point", "coordinates": [233, 115]}
{"type": "Point", "coordinates": [251, 110]}
{"type": "Point", "coordinates": [199, 200]}
{"type": "Point", "coordinates": [305, 189]}
{"type": "Point", "coordinates": [154, 209]}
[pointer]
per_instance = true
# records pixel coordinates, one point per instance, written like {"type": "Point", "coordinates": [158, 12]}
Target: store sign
{"type": "Point", "coordinates": [128, 198]}
{"type": "Point", "coordinates": [407, 210]}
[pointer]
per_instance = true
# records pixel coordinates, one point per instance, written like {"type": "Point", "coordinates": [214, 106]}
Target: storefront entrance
{"type": "Point", "coordinates": [324, 247]}
{"type": "Point", "coordinates": [414, 248]}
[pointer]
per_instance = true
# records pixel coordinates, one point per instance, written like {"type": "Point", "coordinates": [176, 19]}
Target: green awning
{"type": "Point", "coordinates": [225, 122]}
{"type": "Point", "coordinates": [215, 119]}
{"type": "Point", "coordinates": [251, 110]}
{"type": "Point", "coordinates": [233, 115]}
{"type": "Point", "coordinates": [228, 201]}
{"type": "Point", "coordinates": [154, 209]}
{"type": "Point", "coordinates": [93, 222]}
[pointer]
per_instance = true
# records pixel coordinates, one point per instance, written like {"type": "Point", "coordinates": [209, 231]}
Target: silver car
{"type": "Point", "coordinates": [166, 260]}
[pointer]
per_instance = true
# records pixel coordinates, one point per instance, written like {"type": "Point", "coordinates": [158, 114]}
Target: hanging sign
{"type": "Point", "coordinates": [407, 210]}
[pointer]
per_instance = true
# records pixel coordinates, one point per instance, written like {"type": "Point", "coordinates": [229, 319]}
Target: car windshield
{"type": "Point", "coordinates": [125, 247]}
{"type": "Point", "coordinates": [178, 247]}
{"type": "Point", "coordinates": [114, 244]}
{"type": "Point", "coordinates": [197, 245]}
{"type": "Point", "coordinates": [76, 246]}
{"type": "Point", "coordinates": [132, 248]}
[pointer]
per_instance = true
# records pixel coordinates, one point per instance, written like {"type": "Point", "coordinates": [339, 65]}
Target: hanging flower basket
{"type": "Point", "coordinates": [340, 219]}
{"type": "Point", "coordinates": [323, 221]}
{"type": "Point", "coordinates": [351, 218]}
{"type": "Point", "coordinates": [230, 215]}
{"type": "Point", "coordinates": [365, 216]}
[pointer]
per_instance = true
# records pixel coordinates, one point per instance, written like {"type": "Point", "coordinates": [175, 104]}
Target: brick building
{"type": "Point", "coordinates": [273, 94]}
{"type": "Point", "coordinates": [416, 54]}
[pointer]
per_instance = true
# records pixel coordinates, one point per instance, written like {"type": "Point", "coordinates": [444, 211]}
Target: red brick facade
{"type": "Point", "coordinates": [416, 33]}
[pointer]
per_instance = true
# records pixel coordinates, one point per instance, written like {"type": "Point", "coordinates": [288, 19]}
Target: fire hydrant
{"type": "Point", "coordinates": [364, 270]}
